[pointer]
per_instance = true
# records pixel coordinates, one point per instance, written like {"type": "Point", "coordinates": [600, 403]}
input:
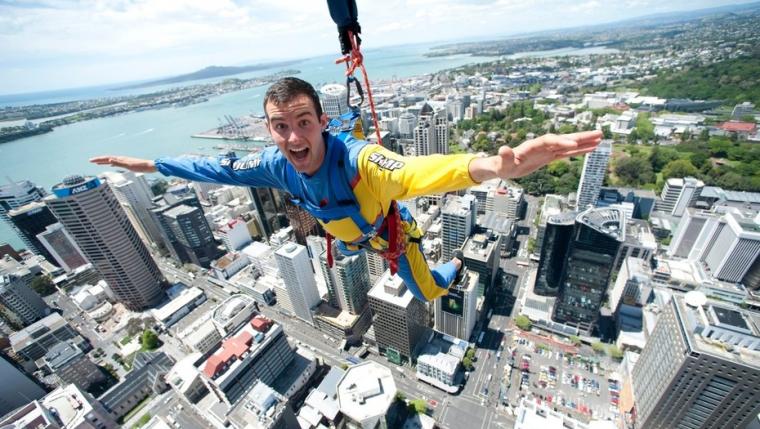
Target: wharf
{"type": "Point", "coordinates": [245, 128]}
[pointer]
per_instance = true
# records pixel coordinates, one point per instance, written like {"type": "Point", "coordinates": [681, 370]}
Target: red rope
{"type": "Point", "coordinates": [356, 60]}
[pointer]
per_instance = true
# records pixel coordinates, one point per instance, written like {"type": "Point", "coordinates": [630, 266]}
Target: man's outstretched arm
{"type": "Point", "coordinates": [533, 154]}
{"type": "Point", "coordinates": [127, 162]}
{"type": "Point", "coordinates": [395, 177]}
{"type": "Point", "coordinates": [252, 170]}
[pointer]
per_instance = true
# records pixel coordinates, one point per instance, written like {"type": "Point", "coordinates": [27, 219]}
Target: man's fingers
{"type": "Point", "coordinates": [583, 136]}
{"type": "Point", "coordinates": [101, 159]}
{"type": "Point", "coordinates": [576, 152]}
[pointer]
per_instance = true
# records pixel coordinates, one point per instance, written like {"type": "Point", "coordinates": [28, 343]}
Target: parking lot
{"type": "Point", "coordinates": [571, 383]}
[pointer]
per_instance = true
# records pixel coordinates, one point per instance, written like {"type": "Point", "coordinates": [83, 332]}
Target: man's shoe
{"type": "Point", "coordinates": [460, 272]}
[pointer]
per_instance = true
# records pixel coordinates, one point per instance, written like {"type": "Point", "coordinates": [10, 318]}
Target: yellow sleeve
{"type": "Point", "coordinates": [395, 177]}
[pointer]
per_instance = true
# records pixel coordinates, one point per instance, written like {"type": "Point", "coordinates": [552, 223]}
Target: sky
{"type": "Point", "coordinates": [57, 44]}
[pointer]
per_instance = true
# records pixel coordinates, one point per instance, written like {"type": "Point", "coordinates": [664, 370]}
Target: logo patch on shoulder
{"type": "Point", "coordinates": [247, 163]}
{"type": "Point", "coordinates": [384, 162]}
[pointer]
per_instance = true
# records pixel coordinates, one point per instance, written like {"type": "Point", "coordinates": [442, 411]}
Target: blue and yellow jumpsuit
{"type": "Point", "coordinates": [350, 195]}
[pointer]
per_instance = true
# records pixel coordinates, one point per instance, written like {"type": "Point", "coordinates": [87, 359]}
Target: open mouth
{"type": "Point", "coordinates": [299, 154]}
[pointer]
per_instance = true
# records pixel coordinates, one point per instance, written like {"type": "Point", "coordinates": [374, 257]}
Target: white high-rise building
{"type": "Point", "coordinates": [678, 194]}
{"type": "Point", "coordinates": [133, 192]}
{"type": "Point", "coordinates": [334, 99]}
{"type": "Point", "coordinates": [376, 265]}
{"type": "Point", "coordinates": [91, 213]}
{"type": "Point", "coordinates": [234, 234]}
{"type": "Point", "coordinates": [407, 123]}
{"type": "Point", "coordinates": [431, 135]}
{"type": "Point", "coordinates": [733, 248]}
{"type": "Point", "coordinates": [694, 233]}
{"type": "Point", "coordinates": [594, 169]}
{"type": "Point", "coordinates": [296, 273]}
{"type": "Point", "coordinates": [456, 312]}
{"type": "Point", "coordinates": [347, 281]}
{"type": "Point", "coordinates": [458, 220]}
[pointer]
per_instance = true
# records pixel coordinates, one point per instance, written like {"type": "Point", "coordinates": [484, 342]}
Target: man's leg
{"type": "Point", "coordinates": [424, 283]}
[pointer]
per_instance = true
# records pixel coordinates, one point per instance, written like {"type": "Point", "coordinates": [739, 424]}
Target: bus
{"type": "Point", "coordinates": [480, 338]}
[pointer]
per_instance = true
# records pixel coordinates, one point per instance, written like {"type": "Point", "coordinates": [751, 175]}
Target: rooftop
{"type": "Point", "coordinates": [609, 221]}
{"type": "Point", "coordinates": [391, 289]}
{"type": "Point", "coordinates": [185, 297]}
{"type": "Point", "coordinates": [719, 330]}
{"type": "Point", "coordinates": [366, 391]}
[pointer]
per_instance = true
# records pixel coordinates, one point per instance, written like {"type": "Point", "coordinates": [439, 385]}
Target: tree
{"type": "Point", "coordinates": [523, 322]}
{"type": "Point", "coordinates": [159, 187]}
{"type": "Point", "coordinates": [679, 168]}
{"type": "Point", "coordinates": [615, 352]}
{"type": "Point", "coordinates": [644, 127]}
{"type": "Point", "coordinates": [467, 363]}
{"type": "Point", "coordinates": [43, 285]}
{"type": "Point", "coordinates": [699, 159]}
{"type": "Point", "coordinates": [633, 137]}
{"type": "Point", "coordinates": [597, 346]}
{"type": "Point", "coordinates": [661, 156]}
{"type": "Point", "coordinates": [576, 340]}
{"type": "Point", "coordinates": [634, 171]}
{"type": "Point", "coordinates": [606, 132]}
{"type": "Point", "coordinates": [149, 340]}
{"type": "Point", "coordinates": [418, 406]}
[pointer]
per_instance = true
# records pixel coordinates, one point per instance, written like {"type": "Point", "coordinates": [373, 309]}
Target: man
{"type": "Point", "coordinates": [350, 186]}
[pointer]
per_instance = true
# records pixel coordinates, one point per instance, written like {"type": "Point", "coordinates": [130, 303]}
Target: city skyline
{"type": "Point", "coordinates": [49, 46]}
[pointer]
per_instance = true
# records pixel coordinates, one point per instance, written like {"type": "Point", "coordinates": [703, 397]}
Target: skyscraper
{"type": "Point", "coordinates": [458, 220]}
{"type": "Point", "coordinates": [588, 267]}
{"type": "Point", "coordinates": [431, 133]}
{"type": "Point", "coordinates": [334, 98]}
{"type": "Point", "coordinates": [270, 209]}
{"type": "Point", "coordinates": [678, 194]}
{"type": "Point", "coordinates": [173, 197]}
{"type": "Point", "coordinates": [30, 220]}
{"type": "Point", "coordinates": [302, 222]}
{"type": "Point", "coordinates": [17, 388]}
{"type": "Point", "coordinates": [481, 255]}
{"type": "Point", "coordinates": [18, 302]}
{"type": "Point", "coordinates": [61, 245]}
{"type": "Point", "coordinates": [376, 265]}
{"type": "Point", "coordinates": [456, 312]}
{"type": "Point", "coordinates": [133, 191]}
{"type": "Point", "coordinates": [733, 248]}
{"type": "Point", "coordinates": [90, 212]}
{"type": "Point", "coordinates": [347, 281]}
{"type": "Point", "coordinates": [558, 233]}
{"type": "Point", "coordinates": [399, 319]}
{"type": "Point", "coordinates": [699, 368]}
{"type": "Point", "coordinates": [17, 194]}
{"type": "Point", "coordinates": [594, 169]}
{"type": "Point", "coordinates": [300, 286]}
{"type": "Point", "coordinates": [193, 234]}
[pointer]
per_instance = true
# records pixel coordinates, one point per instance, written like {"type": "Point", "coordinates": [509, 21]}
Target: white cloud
{"type": "Point", "coordinates": [133, 39]}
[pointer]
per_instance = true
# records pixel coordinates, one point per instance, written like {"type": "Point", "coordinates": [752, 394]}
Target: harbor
{"type": "Point", "coordinates": [248, 128]}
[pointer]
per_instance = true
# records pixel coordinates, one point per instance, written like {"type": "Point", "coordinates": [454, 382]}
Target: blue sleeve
{"type": "Point", "coordinates": [262, 169]}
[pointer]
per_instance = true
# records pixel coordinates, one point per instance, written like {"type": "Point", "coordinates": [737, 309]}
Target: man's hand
{"type": "Point", "coordinates": [533, 154]}
{"type": "Point", "coordinates": [133, 164]}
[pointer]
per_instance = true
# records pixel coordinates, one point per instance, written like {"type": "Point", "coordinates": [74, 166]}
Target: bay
{"type": "Point", "coordinates": [46, 159]}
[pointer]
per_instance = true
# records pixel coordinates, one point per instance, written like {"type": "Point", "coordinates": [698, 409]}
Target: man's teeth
{"type": "Point", "coordinates": [298, 150]}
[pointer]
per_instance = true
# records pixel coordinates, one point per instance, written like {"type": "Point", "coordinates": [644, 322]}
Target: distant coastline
{"type": "Point", "coordinates": [58, 114]}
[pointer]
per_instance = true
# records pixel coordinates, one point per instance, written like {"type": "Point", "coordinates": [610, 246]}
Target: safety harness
{"type": "Point", "coordinates": [344, 13]}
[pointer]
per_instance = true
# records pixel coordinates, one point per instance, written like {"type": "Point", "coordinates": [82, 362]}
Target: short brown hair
{"type": "Point", "coordinates": [288, 88]}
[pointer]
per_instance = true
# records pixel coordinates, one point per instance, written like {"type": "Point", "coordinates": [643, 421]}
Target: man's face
{"type": "Point", "coordinates": [297, 131]}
